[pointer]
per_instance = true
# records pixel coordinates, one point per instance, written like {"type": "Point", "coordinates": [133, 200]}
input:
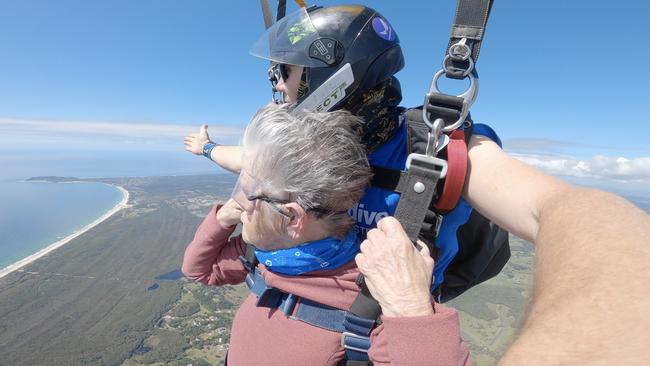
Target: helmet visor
{"type": "Point", "coordinates": [288, 40]}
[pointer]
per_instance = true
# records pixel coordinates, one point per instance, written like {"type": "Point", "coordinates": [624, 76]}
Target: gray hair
{"type": "Point", "coordinates": [318, 158]}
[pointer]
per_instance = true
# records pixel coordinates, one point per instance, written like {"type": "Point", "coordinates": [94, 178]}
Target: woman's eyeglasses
{"type": "Point", "coordinates": [273, 203]}
{"type": "Point", "coordinates": [247, 201]}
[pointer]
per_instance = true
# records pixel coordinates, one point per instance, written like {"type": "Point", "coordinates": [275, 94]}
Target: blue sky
{"type": "Point", "coordinates": [105, 88]}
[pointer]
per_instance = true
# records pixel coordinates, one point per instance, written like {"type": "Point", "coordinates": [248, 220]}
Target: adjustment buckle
{"type": "Point", "coordinates": [439, 219]}
{"type": "Point", "coordinates": [360, 341]}
{"type": "Point", "coordinates": [428, 161]}
{"type": "Point", "coordinates": [247, 264]}
{"type": "Point", "coordinates": [436, 98]}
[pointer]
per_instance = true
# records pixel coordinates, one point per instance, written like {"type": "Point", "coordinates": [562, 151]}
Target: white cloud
{"type": "Point", "coordinates": [599, 167]}
{"type": "Point", "coordinates": [545, 144]}
{"type": "Point", "coordinates": [17, 134]}
{"type": "Point", "coordinates": [107, 128]}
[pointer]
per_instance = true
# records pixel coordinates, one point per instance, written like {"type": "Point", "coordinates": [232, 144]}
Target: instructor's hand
{"type": "Point", "coordinates": [194, 142]}
{"type": "Point", "coordinates": [397, 275]}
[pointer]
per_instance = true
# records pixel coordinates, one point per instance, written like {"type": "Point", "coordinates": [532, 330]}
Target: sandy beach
{"type": "Point", "coordinates": [25, 261]}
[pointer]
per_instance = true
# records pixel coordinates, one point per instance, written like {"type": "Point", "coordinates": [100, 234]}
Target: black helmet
{"type": "Point", "coordinates": [345, 49]}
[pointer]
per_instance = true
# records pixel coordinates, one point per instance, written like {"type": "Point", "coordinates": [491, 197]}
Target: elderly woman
{"type": "Point", "coordinates": [301, 174]}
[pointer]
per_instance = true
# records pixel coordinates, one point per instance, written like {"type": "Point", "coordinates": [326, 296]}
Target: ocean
{"type": "Point", "coordinates": [36, 214]}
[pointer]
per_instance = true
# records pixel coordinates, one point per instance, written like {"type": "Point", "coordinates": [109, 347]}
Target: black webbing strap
{"type": "Point", "coordinates": [417, 188]}
{"type": "Point", "coordinates": [364, 309]}
{"type": "Point", "coordinates": [249, 259]}
{"type": "Point", "coordinates": [282, 9]}
{"type": "Point", "coordinates": [355, 363]}
{"type": "Point", "coordinates": [469, 24]}
{"type": "Point", "coordinates": [365, 306]}
{"type": "Point", "coordinates": [447, 107]}
{"type": "Point", "coordinates": [414, 202]}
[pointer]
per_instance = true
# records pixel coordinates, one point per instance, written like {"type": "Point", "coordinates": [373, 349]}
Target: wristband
{"type": "Point", "coordinates": [207, 149]}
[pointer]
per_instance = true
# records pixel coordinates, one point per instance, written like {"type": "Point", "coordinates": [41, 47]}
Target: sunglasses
{"type": "Point", "coordinates": [277, 71]}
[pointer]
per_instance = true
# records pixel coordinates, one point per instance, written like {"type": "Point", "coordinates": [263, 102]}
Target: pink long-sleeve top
{"type": "Point", "coordinates": [263, 336]}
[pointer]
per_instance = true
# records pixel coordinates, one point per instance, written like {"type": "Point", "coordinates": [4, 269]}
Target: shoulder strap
{"type": "Point", "coordinates": [282, 9]}
{"type": "Point", "coordinates": [249, 259]}
{"type": "Point", "coordinates": [466, 36]}
{"type": "Point", "coordinates": [456, 172]}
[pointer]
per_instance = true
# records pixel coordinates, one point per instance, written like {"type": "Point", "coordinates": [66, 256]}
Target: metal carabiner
{"type": "Point", "coordinates": [433, 136]}
{"type": "Point", "coordinates": [469, 96]}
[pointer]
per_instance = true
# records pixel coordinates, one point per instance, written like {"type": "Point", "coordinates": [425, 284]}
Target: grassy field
{"type": "Point", "coordinates": [99, 300]}
{"type": "Point", "coordinates": [492, 312]}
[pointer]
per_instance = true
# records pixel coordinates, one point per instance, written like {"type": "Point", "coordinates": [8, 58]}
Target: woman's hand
{"type": "Point", "coordinates": [194, 142]}
{"type": "Point", "coordinates": [397, 275]}
{"type": "Point", "coordinates": [230, 213]}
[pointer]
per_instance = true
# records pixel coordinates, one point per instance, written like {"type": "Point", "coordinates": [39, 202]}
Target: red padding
{"type": "Point", "coordinates": [456, 171]}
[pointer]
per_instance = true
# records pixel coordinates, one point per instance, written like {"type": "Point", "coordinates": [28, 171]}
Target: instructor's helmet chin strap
{"type": "Point", "coordinates": [274, 77]}
{"type": "Point", "coordinates": [275, 98]}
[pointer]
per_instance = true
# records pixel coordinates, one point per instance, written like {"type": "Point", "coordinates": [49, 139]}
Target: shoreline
{"type": "Point", "coordinates": [59, 243]}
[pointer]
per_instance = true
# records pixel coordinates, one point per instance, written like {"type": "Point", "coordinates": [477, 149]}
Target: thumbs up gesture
{"type": "Point", "coordinates": [194, 142]}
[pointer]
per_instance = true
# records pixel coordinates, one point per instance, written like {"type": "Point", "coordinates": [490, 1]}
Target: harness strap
{"type": "Point", "coordinates": [355, 330]}
{"type": "Point", "coordinates": [417, 191]}
{"type": "Point", "coordinates": [456, 172]}
{"type": "Point", "coordinates": [249, 259]}
{"type": "Point", "coordinates": [282, 9]}
{"type": "Point", "coordinates": [448, 107]}
{"type": "Point", "coordinates": [468, 30]}
{"type": "Point", "coordinates": [421, 181]}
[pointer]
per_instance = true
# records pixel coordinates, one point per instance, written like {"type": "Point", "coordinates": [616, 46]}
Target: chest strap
{"type": "Point", "coordinates": [355, 331]}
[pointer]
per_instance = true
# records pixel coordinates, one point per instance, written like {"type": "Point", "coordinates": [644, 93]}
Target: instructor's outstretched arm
{"type": "Point", "coordinates": [591, 299]}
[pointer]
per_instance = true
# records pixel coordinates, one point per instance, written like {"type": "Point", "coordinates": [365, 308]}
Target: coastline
{"type": "Point", "coordinates": [43, 252]}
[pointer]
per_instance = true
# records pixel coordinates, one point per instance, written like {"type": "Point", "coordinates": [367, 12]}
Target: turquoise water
{"type": "Point", "coordinates": [34, 215]}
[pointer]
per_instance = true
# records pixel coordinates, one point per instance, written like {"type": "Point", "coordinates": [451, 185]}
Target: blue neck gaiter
{"type": "Point", "coordinates": [328, 253]}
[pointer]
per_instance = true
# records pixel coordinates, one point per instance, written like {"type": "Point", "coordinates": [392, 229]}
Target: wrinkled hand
{"type": "Point", "coordinates": [397, 275]}
{"type": "Point", "coordinates": [194, 142]}
{"type": "Point", "coordinates": [230, 213]}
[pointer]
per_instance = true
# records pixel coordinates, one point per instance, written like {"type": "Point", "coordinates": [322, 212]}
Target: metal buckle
{"type": "Point", "coordinates": [289, 305]}
{"type": "Point", "coordinates": [469, 96]}
{"type": "Point", "coordinates": [460, 51]}
{"type": "Point", "coordinates": [442, 164]}
{"type": "Point", "coordinates": [352, 335]}
{"type": "Point", "coordinates": [439, 218]}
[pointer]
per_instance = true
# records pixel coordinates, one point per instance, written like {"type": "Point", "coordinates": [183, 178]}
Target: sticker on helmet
{"type": "Point", "coordinates": [330, 92]}
{"type": "Point", "coordinates": [383, 29]}
{"type": "Point", "coordinates": [300, 30]}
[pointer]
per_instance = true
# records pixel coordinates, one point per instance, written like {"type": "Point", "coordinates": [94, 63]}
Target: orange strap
{"type": "Point", "coordinates": [456, 171]}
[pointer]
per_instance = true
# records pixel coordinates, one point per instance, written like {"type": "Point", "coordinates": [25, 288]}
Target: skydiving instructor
{"type": "Point", "coordinates": [591, 299]}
